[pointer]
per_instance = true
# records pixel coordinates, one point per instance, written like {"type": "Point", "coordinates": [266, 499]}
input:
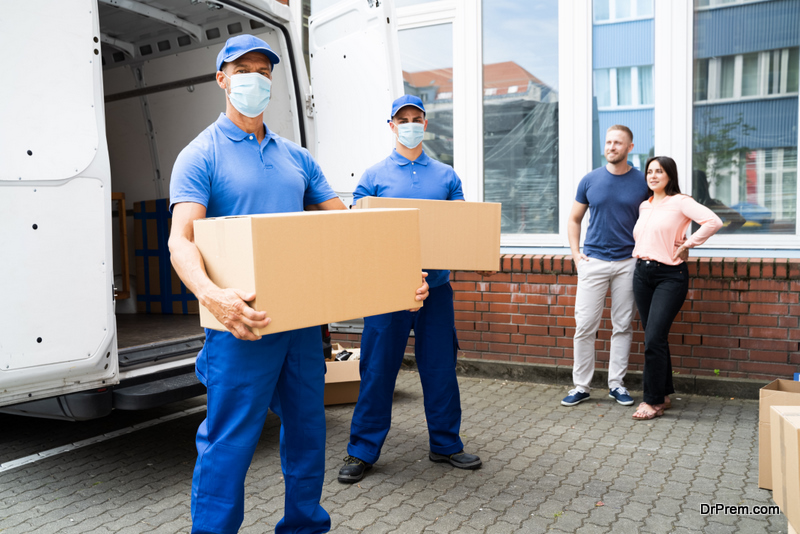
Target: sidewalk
{"type": "Point", "coordinates": [547, 468]}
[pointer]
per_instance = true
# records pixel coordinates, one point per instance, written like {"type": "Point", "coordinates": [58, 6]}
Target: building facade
{"type": "Point", "coordinates": [520, 94]}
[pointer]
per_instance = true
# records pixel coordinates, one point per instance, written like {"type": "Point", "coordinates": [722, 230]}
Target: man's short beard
{"type": "Point", "coordinates": [621, 159]}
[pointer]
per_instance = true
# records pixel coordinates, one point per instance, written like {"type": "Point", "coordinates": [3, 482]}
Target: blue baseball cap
{"type": "Point", "coordinates": [239, 45]}
{"type": "Point", "coordinates": [406, 100]}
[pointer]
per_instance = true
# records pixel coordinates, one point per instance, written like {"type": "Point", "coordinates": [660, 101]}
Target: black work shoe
{"type": "Point", "coordinates": [353, 470]}
{"type": "Point", "coordinates": [461, 459]}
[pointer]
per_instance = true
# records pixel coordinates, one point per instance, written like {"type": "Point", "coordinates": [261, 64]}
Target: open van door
{"type": "Point", "coordinates": [57, 328]}
{"type": "Point", "coordinates": [355, 77]}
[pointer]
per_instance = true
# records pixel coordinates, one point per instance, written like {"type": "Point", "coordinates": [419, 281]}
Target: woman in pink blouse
{"type": "Point", "coordinates": [661, 278]}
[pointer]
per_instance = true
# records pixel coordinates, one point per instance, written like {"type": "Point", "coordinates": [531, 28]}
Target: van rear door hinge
{"type": "Point", "coordinates": [310, 102]}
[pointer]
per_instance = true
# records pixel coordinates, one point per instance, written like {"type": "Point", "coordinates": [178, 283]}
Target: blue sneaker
{"type": "Point", "coordinates": [575, 396]}
{"type": "Point", "coordinates": [621, 395]}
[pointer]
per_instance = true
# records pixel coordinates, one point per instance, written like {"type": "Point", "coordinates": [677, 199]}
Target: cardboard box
{"type": "Point", "coordinates": [463, 236]}
{"type": "Point", "coordinates": [158, 287]}
{"type": "Point", "coordinates": [342, 382]}
{"type": "Point", "coordinates": [776, 393]}
{"type": "Point", "coordinates": [785, 429]}
{"type": "Point", "coordinates": [285, 259]}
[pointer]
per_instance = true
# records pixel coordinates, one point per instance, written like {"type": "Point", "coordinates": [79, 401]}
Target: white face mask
{"type": "Point", "coordinates": [249, 93]}
{"type": "Point", "coordinates": [410, 134]}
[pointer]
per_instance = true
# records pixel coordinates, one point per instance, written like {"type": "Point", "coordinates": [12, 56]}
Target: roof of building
{"type": "Point", "coordinates": [506, 77]}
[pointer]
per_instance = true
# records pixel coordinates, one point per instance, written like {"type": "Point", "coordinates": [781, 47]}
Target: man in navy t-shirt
{"type": "Point", "coordinates": [613, 194]}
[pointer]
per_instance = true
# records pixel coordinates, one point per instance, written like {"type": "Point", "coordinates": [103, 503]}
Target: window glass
{"type": "Point", "coordinates": [745, 116]}
{"type": "Point", "coordinates": [774, 81]}
{"type": "Point", "coordinates": [426, 56]}
{"type": "Point", "coordinates": [793, 68]}
{"type": "Point", "coordinates": [646, 85]}
{"type": "Point", "coordinates": [623, 9]}
{"type": "Point", "coordinates": [623, 78]}
{"type": "Point", "coordinates": [750, 74]}
{"type": "Point", "coordinates": [727, 68]}
{"type": "Point", "coordinates": [520, 113]}
{"type": "Point", "coordinates": [644, 8]}
{"type": "Point", "coordinates": [602, 88]}
{"type": "Point", "coordinates": [624, 97]}
{"type": "Point", "coordinates": [601, 10]}
{"type": "Point", "coordinates": [700, 79]}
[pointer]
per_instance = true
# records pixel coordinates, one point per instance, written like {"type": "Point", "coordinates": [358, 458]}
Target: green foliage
{"type": "Point", "coordinates": [716, 147]}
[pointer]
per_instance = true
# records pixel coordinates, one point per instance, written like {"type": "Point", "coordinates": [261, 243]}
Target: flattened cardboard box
{"type": "Point", "coordinates": [462, 236]}
{"type": "Point", "coordinates": [297, 282]}
{"type": "Point", "coordinates": [776, 393]}
{"type": "Point", "coordinates": [785, 429]}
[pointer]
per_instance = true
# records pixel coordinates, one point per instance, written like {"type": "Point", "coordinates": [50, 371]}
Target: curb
{"type": "Point", "coordinates": [740, 388]}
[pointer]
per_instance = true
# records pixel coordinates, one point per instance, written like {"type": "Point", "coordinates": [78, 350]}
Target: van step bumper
{"type": "Point", "coordinates": [158, 392]}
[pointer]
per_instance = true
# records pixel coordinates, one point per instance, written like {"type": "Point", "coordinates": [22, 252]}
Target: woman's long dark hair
{"type": "Point", "coordinates": [669, 166]}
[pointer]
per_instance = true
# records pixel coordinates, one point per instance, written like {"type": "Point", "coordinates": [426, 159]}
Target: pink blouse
{"type": "Point", "coordinates": [661, 228]}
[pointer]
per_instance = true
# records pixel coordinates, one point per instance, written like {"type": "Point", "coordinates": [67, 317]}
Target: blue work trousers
{"type": "Point", "coordinates": [383, 344]}
{"type": "Point", "coordinates": [284, 372]}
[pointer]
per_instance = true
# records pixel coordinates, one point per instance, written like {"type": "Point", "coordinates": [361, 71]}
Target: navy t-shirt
{"type": "Point", "coordinates": [613, 210]}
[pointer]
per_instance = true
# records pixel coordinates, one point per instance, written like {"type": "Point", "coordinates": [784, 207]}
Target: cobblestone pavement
{"type": "Point", "coordinates": [547, 468]}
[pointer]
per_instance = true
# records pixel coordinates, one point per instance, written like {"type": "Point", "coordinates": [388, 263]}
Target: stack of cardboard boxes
{"type": "Point", "coordinates": [779, 446]}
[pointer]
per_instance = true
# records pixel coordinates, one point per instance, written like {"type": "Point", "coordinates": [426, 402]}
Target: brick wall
{"type": "Point", "coordinates": [740, 317]}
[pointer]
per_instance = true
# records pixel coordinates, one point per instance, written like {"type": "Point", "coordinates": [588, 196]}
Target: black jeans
{"type": "Point", "coordinates": [660, 291]}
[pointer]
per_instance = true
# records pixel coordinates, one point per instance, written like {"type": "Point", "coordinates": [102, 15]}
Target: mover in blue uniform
{"type": "Point", "coordinates": [237, 166]}
{"type": "Point", "coordinates": [409, 173]}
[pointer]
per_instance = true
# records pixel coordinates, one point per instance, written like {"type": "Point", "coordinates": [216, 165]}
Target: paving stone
{"type": "Point", "coordinates": [546, 469]}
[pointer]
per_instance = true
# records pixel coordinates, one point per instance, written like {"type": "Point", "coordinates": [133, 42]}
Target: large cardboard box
{"type": "Point", "coordinates": [785, 429]}
{"type": "Point", "coordinates": [463, 236]}
{"type": "Point", "coordinates": [158, 288]}
{"type": "Point", "coordinates": [286, 260]}
{"type": "Point", "coordinates": [776, 393]}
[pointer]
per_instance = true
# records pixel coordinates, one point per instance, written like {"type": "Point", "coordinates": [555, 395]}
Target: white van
{"type": "Point", "coordinates": [100, 97]}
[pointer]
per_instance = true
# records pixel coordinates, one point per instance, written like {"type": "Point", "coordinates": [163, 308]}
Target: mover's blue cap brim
{"type": "Point", "coordinates": [239, 45]}
{"type": "Point", "coordinates": [406, 100]}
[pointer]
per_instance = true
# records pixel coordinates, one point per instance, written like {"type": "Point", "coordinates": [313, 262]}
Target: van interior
{"type": "Point", "coordinates": [160, 92]}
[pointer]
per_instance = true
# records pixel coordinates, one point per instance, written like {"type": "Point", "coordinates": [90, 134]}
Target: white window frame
{"type": "Point", "coordinates": [575, 106]}
{"type": "Point", "coordinates": [465, 18]}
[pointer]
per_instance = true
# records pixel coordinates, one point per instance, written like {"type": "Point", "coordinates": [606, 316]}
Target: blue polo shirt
{"type": "Point", "coordinates": [230, 173]}
{"type": "Point", "coordinates": [424, 178]}
{"type": "Point", "coordinates": [613, 210]}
